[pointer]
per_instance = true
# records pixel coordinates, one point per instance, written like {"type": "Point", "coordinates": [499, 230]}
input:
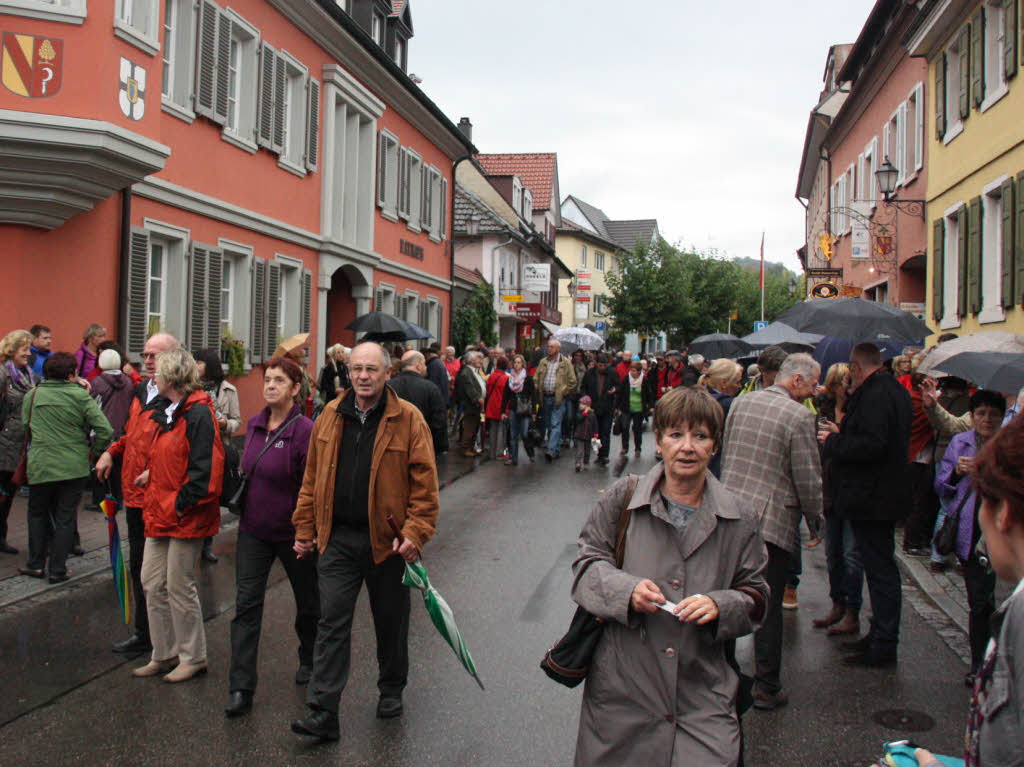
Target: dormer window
{"type": "Point", "coordinates": [517, 194]}
{"type": "Point", "coordinates": [400, 52]}
{"type": "Point", "coordinates": [527, 204]}
{"type": "Point", "coordinates": [377, 27]}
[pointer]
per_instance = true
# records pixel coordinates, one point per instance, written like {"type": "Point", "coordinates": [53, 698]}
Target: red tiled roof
{"type": "Point", "coordinates": [397, 6]}
{"type": "Point", "coordinates": [471, 276]}
{"type": "Point", "coordinates": [536, 171]}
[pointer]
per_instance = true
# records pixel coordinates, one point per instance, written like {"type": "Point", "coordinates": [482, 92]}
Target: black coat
{"type": "Point", "coordinates": [604, 402]}
{"type": "Point", "coordinates": [332, 375]}
{"type": "Point", "coordinates": [647, 395]}
{"type": "Point", "coordinates": [467, 392]}
{"type": "Point", "coordinates": [437, 374]}
{"type": "Point", "coordinates": [869, 464]}
{"type": "Point", "coordinates": [417, 390]}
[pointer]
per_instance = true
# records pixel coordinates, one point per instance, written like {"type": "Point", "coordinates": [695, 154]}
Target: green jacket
{"type": "Point", "coordinates": [62, 415]}
{"type": "Point", "coordinates": [565, 378]}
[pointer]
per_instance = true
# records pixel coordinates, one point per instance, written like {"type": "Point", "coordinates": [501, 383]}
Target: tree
{"type": "Point", "coordinates": [642, 285]}
{"type": "Point", "coordinates": [475, 318]}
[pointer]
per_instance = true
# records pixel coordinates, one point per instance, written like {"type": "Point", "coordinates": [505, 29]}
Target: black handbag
{"type": "Point", "coordinates": [524, 405]}
{"type": "Point", "coordinates": [235, 500]}
{"type": "Point", "coordinates": [568, 662]}
{"type": "Point", "coordinates": [945, 538]}
{"type": "Point", "coordinates": [617, 424]}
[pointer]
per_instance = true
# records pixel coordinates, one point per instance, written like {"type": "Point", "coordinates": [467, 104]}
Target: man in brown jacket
{"type": "Point", "coordinates": [370, 456]}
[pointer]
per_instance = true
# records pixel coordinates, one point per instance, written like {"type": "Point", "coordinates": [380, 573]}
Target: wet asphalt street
{"type": "Point", "coordinates": [501, 557]}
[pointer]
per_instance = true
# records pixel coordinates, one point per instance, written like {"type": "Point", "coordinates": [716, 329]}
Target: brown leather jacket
{"type": "Point", "coordinates": [403, 478]}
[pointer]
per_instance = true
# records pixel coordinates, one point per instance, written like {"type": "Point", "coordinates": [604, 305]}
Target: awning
{"type": "Point", "coordinates": [549, 326]}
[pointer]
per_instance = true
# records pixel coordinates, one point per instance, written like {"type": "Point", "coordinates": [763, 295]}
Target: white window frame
{"type": "Point", "coordinates": [432, 184]}
{"type": "Point", "coordinates": [389, 295]}
{"type": "Point", "coordinates": [414, 181]}
{"type": "Point", "coordinates": [177, 242]}
{"type": "Point", "coordinates": [388, 186]}
{"type": "Point", "coordinates": [243, 133]}
{"type": "Point", "coordinates": [399, 50]}
{"type": "Point", "coordinates": [179, 54]}
{"type": "Point", "coordinates": [295, 117]}
{"type": "Point", "coordinates": [954, 123]}
{"type": "Point", "coordinates": [992, 252]}
{"type": "Point", "coordinates": [138, 22]}
{"type": "Point", "coordinates": [951, 269]}
{"type": "Point", "coordinates": [862, 175]}
{"type": "Point", "coordinates": [598, 261]}
{"type": "Point", "coordinates": [378, 27]}
{"type": "Point", "coordinates": [66, 11]}
{"type": "Point", "coordinates": [432, 311]}
{"type": "Point", "coordinates": [412, 306]}
{"type": "Point", "coordinates": [914, 129]}
{"type": "Point", "coordinates": [869, 186]}
{"type": "Point", "coordinates": [289, 316]}
{"type": "Point", "coordinates": [527, 204]}
{"type": "Point", "coordinates": [239, 257]}
{"type": "Point", "coordinates": [894, 141]}
{"type": "Point", "coordinates": [996, 85]}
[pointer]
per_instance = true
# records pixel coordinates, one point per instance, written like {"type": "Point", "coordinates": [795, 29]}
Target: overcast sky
{"type": "Point", "coordinates": [690, 113]}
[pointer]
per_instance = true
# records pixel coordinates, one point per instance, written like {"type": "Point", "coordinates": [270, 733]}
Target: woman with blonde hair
{"type": "Point", "coordinates": [16, 381]}
{"type": "Point", "coordinates": [182, 507]}
{"type": "Point", "coordinates": [723, 383]}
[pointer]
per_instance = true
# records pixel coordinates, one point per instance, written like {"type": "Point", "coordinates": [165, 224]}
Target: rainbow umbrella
{"type": "Point", "coordinates": [117, 564]}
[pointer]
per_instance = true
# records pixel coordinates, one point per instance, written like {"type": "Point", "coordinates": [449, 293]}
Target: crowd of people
{"type": "Point", "coordinates": [343, 489]}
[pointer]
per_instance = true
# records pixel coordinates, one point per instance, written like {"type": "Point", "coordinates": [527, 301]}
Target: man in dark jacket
{"type": "Point", "coordinates": [469, 395]}
{"type": "Point", "coordinates": [437, 373]}
{"type": "Point", "coordinates": [601, 384]}
{"type": "Point", "coordinates": [872, 489]}
{"type": "Point", "coordinates": [412, 386]}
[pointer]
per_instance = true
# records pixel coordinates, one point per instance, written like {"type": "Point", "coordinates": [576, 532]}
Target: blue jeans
{"type": "Point", "coordinates": [551, 414]}
{"type": "Point", "coordinates": [845, 573]}
{"type": "Point", "coordinates": [518, 426]}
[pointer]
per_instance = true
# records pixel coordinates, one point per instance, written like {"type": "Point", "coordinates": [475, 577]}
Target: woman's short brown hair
{"type": "Point", "coordinates": [286, 365]}
{"type": "Point", "coordinates": [692, 406]}
{"type": "Point", "coordinates": [999, 469]}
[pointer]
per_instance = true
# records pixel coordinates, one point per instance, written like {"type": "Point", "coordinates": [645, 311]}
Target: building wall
{"type": "Point", "coordinates": [569, 249]}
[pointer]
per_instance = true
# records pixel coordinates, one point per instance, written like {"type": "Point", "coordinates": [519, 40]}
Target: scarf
{"type": "Point", "coordinates": [516, 380]}
{"type": "Point", "coordinates": [635, 383]}
{"type": "Point", "coordinates": [20, 379]}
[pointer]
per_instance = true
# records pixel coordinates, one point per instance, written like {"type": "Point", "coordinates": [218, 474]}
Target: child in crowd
{"type": "Point", "coordinates": [586, 427]}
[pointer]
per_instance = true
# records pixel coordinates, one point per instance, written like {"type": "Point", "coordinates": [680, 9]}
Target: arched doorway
{"type": "Point", "coordinates": [341, 310]}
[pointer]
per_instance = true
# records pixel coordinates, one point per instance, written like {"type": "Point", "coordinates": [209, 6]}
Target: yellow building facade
{"type": "Point", "coordinates": [583, 252]}
{"type": "Point", "coordinates": [975, 190]}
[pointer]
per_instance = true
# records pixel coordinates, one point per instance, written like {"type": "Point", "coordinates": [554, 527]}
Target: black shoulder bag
{"type": "Point", "coordinates": [945, 538]}
{"type": "Point", "coordinates": [568, 662]}
{"type": "Point", "coordinates": [236, 501]}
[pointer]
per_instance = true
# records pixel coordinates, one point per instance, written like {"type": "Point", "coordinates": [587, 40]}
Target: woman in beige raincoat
{"type": "Point", "coordinates": [660, 690]}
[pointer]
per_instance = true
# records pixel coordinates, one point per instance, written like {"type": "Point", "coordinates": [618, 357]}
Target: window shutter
{"type": "Point", "coordinates": [378, 300]}
{"type": "Point", "coordinates": [1010, 43]}
{"type": "Point", "coordinates": [206, 59]}
{"type": "Point", "coordinates": [965, 73]}
{"type": "Point", "coordinates": [312, 123]}
{"type": "Point", "coordinates": [978, 57]}
{"type": "Point", "coordinates": [257, 345]}
{"type": "Point", "coordinates": [382, 168]}
{"type": "Point", "coordinates": [220, 104]}
{"type": "Point", "coordinates": [280, 83]}
{"type": "Point", "coordinates": [273, 310]}
{"type": "Point", "coordinates": [198, 266]}
{"type": "Point", "coordinates": [403, 183]}
{"type": "Point", "coordinates": [443, 223]}
{"type": "Point", "coordinates": [938, 252]}
{"type": "Point", "coordinates": [974, 235]}
{"type": "Point", "coordinates": [265, 110]}
{"type": "Point", "coordinates": [214, 276]}
{"type": "Point", "coordinates": [306, 318]}
{"type": "Point", "coordinates": [425, 211]}
{"type": "Point", "coordinates": [138, 274]}
{"type": "Point", "coordinates": [1008, 243]}
{"type": "Point", "coordinates": [940, 97]}
{"type": "Point", "coordinates": [1018, 239]}
{"type": "Point", "coordinates": [961, 259]}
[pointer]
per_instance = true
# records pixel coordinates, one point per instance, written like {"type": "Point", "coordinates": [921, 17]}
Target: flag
{"type": "Point", "coordinates": [762, 262]}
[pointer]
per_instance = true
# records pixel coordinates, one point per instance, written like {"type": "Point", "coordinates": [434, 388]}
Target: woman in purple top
{"type": "Point", "coordinates": [274, 461]}
{"type": "Point", "coordinates": [88, 353]}
{"type": "Point", "coordinates": [952, 482]}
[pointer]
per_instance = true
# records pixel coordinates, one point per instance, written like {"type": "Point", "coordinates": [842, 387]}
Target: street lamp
{"type": "Point", "coordinates": [887, 176]}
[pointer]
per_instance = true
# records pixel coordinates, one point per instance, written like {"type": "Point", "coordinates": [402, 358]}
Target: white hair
{"type": "Point", "coordinates": [696, 360]}
{"type": "Point", "coordinates": [798, 364]}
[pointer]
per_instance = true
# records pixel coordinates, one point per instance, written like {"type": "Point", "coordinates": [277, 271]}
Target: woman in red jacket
{"type": "Point", "coordinates": [496, 408]}
{"type": "Point", "coordinates": [182, 507]}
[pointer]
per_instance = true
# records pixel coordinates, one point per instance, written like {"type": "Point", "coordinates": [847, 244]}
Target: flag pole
{"type": "Point", "coordinates": [762, 276]}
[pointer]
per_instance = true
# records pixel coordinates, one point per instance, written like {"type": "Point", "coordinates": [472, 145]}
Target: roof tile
{"type": "Point", "coordinates": [536, 170]}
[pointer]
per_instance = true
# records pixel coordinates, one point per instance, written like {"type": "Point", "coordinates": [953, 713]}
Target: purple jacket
{"type": "Point", "coordinates": [949, 485]}
{"type": "Point", "coordinates": [274, 482]}
{"type": "Point", "coordinates": [86, 361]}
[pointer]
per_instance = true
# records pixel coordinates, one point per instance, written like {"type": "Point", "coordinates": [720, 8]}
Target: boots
{"type": "Point", "coordinates": [850, 624]}
{"type": "Point", "coordinates": [834, 616]}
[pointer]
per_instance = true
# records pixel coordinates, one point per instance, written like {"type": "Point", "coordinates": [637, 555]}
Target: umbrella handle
{"type": "Point", "coordinates": [395, 528]}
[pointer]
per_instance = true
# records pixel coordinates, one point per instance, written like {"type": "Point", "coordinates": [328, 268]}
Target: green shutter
{"type": "Point", "coordinates": [974, 238]}
{"type": "Point", "coordinates": [978, 57]}
{"type": "Point", "coordinates": [961, 263]}
{"type": "Point", "coordinates": [306, 310]}
{"type": "Point", "coordinates": [136, 309]}
{"type": "Point", "coordinates": [938, 243]}
{"type": "Point", "coordinates": [965, 73]}
{"type": "Point", "coordinates": [940, 97]}
{"type": "Point", "coordinates": [1010, 39]}
{"type": "Point", "coordinates": [1006, 199]}
{"type": "Point", "coordinates": [1018, 239]}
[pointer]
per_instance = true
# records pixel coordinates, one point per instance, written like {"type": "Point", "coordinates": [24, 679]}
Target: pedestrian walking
{"type": "Point", "coordinates": [869, 471]}
{"type": "Point", "coordinates": [602, 386]}
{"type": "Point", "coordinates": [723, 383]}
{"type": "Point", "coordinates": [670, 376]}
{"type": "Point", "coordinates": [16, 381]}
{"type": "Point", "coordinates": [586, 430]}
{"type": "Point", "coordinates": [274, 462]}
{"type": "Point", "coordinates": [182, 507]}
{"type": "Point", "coordinates": [370, 458]}
{"type": "Point", "coordinates": [470, 390]}
{"type": "Point", "coordinates": [496, 408]}
{"type": "Point", "coordinates": [522, 409]}
{"type": "Point", "coordinates": [436, 372]}
{"type": "Point", "coordinates": [412, 386]}
{"type": "Point", "coordinates": [333, 378]}
{"type": "Point", "coordinates": [555, 379]}
{"type": "Point", "coordinates": [771, 461]}
{"type": "Point", "coordinates": [661, 690]}
{"type": "Point", "coordinates": [128, 458]}
{"type": "Point", "coordinates": [634, 402]}
{"type": "Point", "coordinates": [59, 414]}
{"type": "Point", "coordinates": [87, 355]}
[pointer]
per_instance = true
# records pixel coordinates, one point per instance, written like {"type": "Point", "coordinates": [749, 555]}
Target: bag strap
{"type": "Point", "coordinates": [270, 442]}
{"type": "Point", "coordinates": [623, 525]}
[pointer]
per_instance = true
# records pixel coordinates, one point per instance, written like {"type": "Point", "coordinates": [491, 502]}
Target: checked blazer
{"type": "Point", "coordinates": [771, 461]}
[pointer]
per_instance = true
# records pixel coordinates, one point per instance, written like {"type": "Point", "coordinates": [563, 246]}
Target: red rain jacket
{"type": "Point", "coordinates": [134, 446]}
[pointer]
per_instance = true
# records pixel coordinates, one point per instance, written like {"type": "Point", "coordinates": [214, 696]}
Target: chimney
{"type": "Point", "coordinates": [466, 127]}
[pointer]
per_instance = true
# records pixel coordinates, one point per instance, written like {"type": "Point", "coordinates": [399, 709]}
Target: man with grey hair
{"type": "Point", "coordinates": [470, 389]}
{"type": "Point", "coordinates": [555, 379]}
{"type": "Point", "coordinates": [771, 461]}
{"type": "Point", "coordinates": [412, 386]}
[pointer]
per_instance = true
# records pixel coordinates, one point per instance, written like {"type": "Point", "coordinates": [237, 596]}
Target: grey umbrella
{"type": "Point", "coordinates": [717, 345]}
{"type": "Point", "coordinates": [781, 334]}
{"type": "Point", "coordinates": [984, 341]}
{"type": "Point", "coordinates": [999, 371]}
{"type": "Point", "coordinates": [855, 319]}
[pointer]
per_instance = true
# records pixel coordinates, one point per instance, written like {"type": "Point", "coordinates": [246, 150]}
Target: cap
{"type": "Point", "coordinates": [585, 400]}
{"type": "Point", "coordinates": [109, 360]}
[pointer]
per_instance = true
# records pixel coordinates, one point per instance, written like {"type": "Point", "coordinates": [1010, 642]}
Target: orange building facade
{"type": "Point", "coordinates": [249, 171]}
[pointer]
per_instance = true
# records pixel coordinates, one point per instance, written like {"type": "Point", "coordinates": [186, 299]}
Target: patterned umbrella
{"type": "Point", "coordinates": [117, 564]}
{"type": "Point", "coordinates": [440, 613]}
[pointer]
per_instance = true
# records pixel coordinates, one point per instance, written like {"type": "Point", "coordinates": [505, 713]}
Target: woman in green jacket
{"type": "Point", "coordinates": [60, 415]}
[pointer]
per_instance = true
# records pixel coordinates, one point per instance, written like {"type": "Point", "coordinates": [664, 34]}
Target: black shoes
{"type": "Point", "coordinates": [239, 703]}
{"type": "Point", "coordinates": [304, 674]}
{"type": "Point", "coordinates": [870, 659]}
{"type": "Point", "coordinates": [207, 554]}
{"type": "Point", "coordinates": [77, 550]}
{"type": "Point", "coordinates": [31, 573]}
{"type": "Point", "coordinates": [6, 548]}
{"type": "Point", "coordinates": [133, 645]}
{"type": "Point", "coordinates": [548, 456]}
{"type": "Point", "coordinates": [389, 706]}
{"type": "Point", "coordinates": [766, 701]}
{"type": "Point", "coordinates": [856, 645]}
{"type": "Point", "coordinates": [319, 724]}
{"type": "Point", "coordinates": [59, 578]}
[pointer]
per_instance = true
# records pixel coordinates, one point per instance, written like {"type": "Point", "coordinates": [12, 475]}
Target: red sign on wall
{"type": "Point", "coordinates": [32, 66]}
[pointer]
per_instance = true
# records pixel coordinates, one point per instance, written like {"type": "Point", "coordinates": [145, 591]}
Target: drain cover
{"type": "Point", "coordinates": [904, 719]}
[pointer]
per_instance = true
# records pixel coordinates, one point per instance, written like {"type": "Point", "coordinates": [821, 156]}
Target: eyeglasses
{"type": "Point", "coordinates": [148, 356]}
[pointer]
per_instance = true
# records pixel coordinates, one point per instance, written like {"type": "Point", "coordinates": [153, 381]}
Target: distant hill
{"type": "Point", "coordinates": [770, 267]}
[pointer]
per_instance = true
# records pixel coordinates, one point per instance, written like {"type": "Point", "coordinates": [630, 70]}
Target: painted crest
{"type": "Point", "coordinates": [133, 90]}
{"type": "Point", "coordinates": [32, 66]}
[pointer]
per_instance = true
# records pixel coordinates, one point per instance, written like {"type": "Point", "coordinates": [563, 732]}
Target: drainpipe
{"type": "Point", "coordinates": [124, 266]}
{"type": "Point", "coordinates": [451, 248]}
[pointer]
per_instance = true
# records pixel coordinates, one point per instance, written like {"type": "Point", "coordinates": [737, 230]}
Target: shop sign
{"type": "Point", "coordinates": [534, 312]}
{"type": "Point", "coordinates": [536, 278]}
{"type": "Point", "coordinates": [32, 66]}
{"type": "Point", "coordinates": [407, 248]}
{"type": "Point", "coordinates": [512, 299]}
{"type": "Point", "coordinates": [582, 311]}
{"type": "Point", "coordinates": [824, 290]}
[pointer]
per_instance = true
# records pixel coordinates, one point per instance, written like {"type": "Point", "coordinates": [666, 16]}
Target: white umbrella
{"type": "Point", "coordinates": [583, 338]}
{"type": "Point", "coordinates": [983, 341]}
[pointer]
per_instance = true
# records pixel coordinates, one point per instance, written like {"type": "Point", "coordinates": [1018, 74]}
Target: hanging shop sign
{"type": "Point", "coordinates": [536, 278]}
{"type": "Point", "coordinates": [825, 290]}
{"type": "Point", "coordinates": [32, 66]}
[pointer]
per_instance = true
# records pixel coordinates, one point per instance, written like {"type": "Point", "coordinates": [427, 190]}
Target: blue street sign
{"type": "Point", "coordinates": [760, 325]}
{"type": "Point", "coordinates": [600, 326]}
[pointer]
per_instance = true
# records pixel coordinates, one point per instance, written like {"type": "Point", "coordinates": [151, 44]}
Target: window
{"type": "Point", "coordinates": [599, 305]}
{"type": "Point", "coordinates": [234, 67]}
{"type": "Point", "coordinates": [159, 283]}
{"type": "Point", "coordinates": [387, 175]}
{"type": "Point", "coordinates": [167, 84]}
{"type": "Point", "coordinates": [517, 194]}
{"type": "Point", "coordinates": [840, 219]}
{"type": "Point", "coordinates": [894, 142]}
{"type": "Point", "coordinates": [527, 204]}
{"type": "Point", "coordinates": [137, 22]}
{"type": "Point", "coordinates": [236, 290]}
{"type": "Point", "coordinates": [292, 113]}
{"type": "Point", "coordinates": [867, 181]}
{"type": "Point", "coordinates": [992, 254]}
{"type": "Point", "coordinates": [951, 267]}
{"type": "Point", "coordinates": [879, 293]}
{"type": "Point", "coordinates": [993, 20]}
{"type": "Point", "coordinates": [226, 303]}
{"type": "Point", "coordinates": [289, 316]}
{"type": "Point", "coordinates": [953, 89]}
{"type": "Point", "coordinates": [68, 11]}
{"type": "Point", "coordinates": [377, 27]}
{"type": "Point", "coordinates": [156, 288]}
{"type": "Point", "coordinates": [599, 260]}
{"type": "Point", "coordinates": [583, 256]}
{"type": "Point", "coordinates": [432, 202]}
{"type": "Point", "coordinates": [384, 299]}
{"type": "Point", "coordinates": [914, 130]}
{"type": "Point", "coordinates": [288, 111]}
{"type": "Point", "coordinates": [410, 185]}
{"type": "Point", "coordinates": [400, 52]}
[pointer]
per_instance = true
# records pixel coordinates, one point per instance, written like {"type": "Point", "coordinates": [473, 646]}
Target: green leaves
{"type": "Point", "coordinates": [475, 319]}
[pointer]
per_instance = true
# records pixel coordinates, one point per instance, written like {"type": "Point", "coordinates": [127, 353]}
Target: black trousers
{"type": "Point", "coordinates": [921, 521]}
{"type": "Point", "coordinates": [980, 583]}
{"type": "Point", "coordinates": [342, 568]}
{"type": "Point", "coordinates": [877, 548]}
{"type": "Point", "coordinates": [52, 515]}
{"type": "Point", "coordinates": [253, 559]}
{"type": "Point", "coordinates": [768, 638]}
{"type": "Point", "coordinates": [604, 431]}
{"type": "Point", "coordinates": [637, 421]}
{"type": "Point", "coordinates": [7, 492]}
{"type": "Point", "coordinates": [136, 545]}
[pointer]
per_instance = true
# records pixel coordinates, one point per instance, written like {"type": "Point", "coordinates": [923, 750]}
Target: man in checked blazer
{"type": "Point", "coordinates": [771, 460]}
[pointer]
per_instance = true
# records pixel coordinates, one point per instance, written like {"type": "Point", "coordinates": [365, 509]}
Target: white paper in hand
{"type": "Point", "coordinates": [668, 607]}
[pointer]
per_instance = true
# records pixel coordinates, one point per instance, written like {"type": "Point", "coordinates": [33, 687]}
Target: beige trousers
{"type": "Point", "coordinates": [175, 615]}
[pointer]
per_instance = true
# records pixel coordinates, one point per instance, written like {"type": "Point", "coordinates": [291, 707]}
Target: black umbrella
{"type": "Point", "coordinates": [378, 322]}
{"type": "Point", "coordinates": [999, 371]}
{"type": "Point", "coordinates": [855, 319]}
{"type": "Point", "coordinates": [717, 345]}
